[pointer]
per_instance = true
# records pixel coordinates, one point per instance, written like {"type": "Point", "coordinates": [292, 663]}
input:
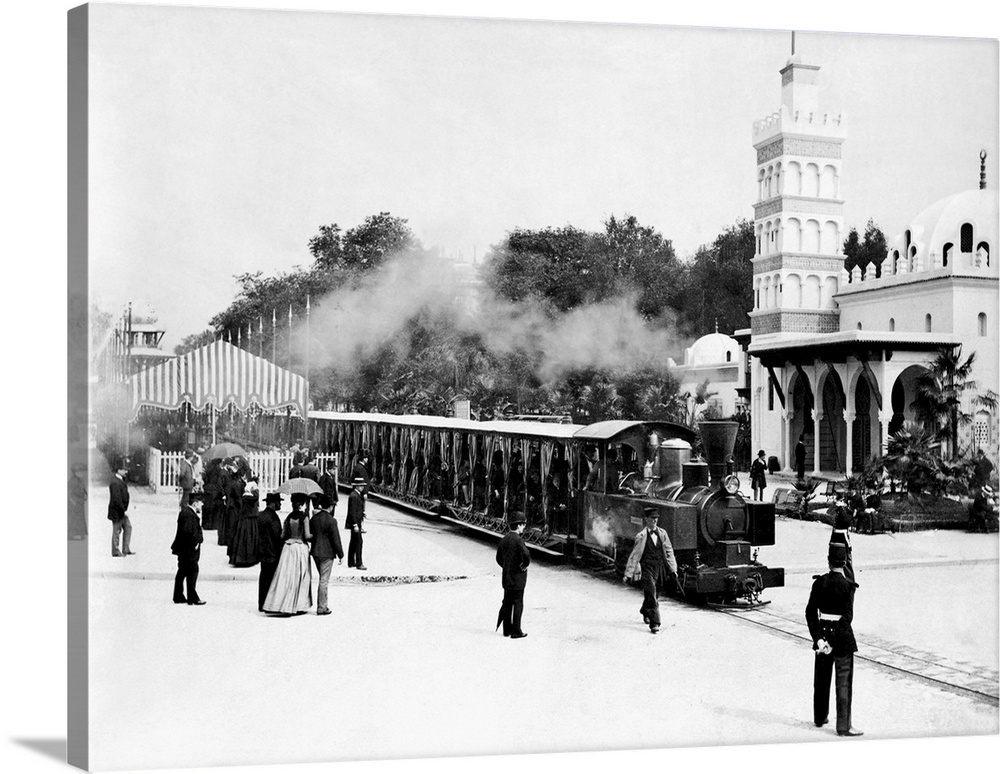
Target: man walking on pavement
{"type": "Point", "coordinates": [187, 548]}
{"type": "Point", "coordinates": [118, 510]}
{"type": "Point", "coordinates": [185, 477]}
{"type": "Point", "coordinates": [829, 614]}
{"type": "Point", "coordinates": [355, 523]}
{"type": "Point", "coordinates": [513, 557]}
{"type": "Point", "coordinates": [325, 546]}
{"type": "Point", "coordinates": [651, 556]}
{"type": "Point", "coordinates": [269, 545]}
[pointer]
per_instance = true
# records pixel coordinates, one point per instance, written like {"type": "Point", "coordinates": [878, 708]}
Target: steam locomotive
{"type": "Point", "coordinates": [582, 488]}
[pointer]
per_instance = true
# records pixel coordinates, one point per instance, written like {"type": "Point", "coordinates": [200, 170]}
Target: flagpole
{"type": "Point", "coordinates": [274, 334]}
{"type": "Point", "coordinates": [305, 409]}
{"type": "Point", "coordinates": [260, 338]}
{"type": "Point", "coordinates": [289, 337]}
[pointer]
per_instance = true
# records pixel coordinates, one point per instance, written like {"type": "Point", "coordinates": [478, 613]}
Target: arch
{"type": "Point", "coordinates": [832, 425]}
{"type": "Point", "coordinates": [830, 238]}
{"type": "Point", "coordinates": [859, 325]}
{"type": "Point", "coordinates": [793, 291]}
{"type": "Point", "coordinates": [729, 356]}
{"type": "Point", "coordinates": [982, 323]}
{"type": "Point", "coordinates": [760, 185]}
{"type": "Point", "coordinates": [928, 323]}
{"type": "Point", "coordinates": [911, 259]}
{"type": "Point", "coordinates": [946, 252]}
{"type": "Point", "coordinates": [759, 229]}
{"type": "Point", "coordinates": [892, 323]}
{"type": "Point", "coordinates": [828, 182]}
{"type": "Point", "coordinates": [983, 254]}
{"type": "Point", "coordinates": [811, 292]}
{"type": "Point", "coordinates": [793, 235]}
{"type": "Point", "coordinates": [982, 436]}
{"type": "Point", "coordinates": [865, 429]}
{"type": "Point", "coordinates": [902, 395]}
{"type": "Point", "coordinates": [777, 179]}
{"type": "Point", "coordinates": [810, 180]}
{"type": "Point", "coordinates": [793, 179]}
{"type": "Point", "coordinates": [800, 398]}
{"type": "Point", "coordinates": [768, 293]}
{"type": "Point", "coordinates": [966, 238]}
{"type": "Point", "coordinates": [768, 185]}
{"type": "Point", "coordinates": [810, 236]}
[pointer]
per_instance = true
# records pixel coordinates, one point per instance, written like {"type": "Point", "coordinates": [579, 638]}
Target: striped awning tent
{"type": "Point", "coordinates": [218, 374]}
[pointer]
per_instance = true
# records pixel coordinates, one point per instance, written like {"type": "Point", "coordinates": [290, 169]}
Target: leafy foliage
{"type": "Point", "coordinates": [871, 250]}
{"type": "Point", "coordinates": [940, 391]}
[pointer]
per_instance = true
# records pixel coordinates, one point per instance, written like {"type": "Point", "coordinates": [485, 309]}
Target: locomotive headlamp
{"type": "Point", "coordinates": [731, 484]}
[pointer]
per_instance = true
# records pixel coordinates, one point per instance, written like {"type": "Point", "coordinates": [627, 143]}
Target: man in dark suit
{"type": "Point", "coordinates": [269, 545]}
{"type": "Point", "coordinates": [355, 520]}
{"type": "Point", "coordinates": [829, 614]}
{"type": "Point", "coordinates": [513, 557]}
{"type": "Point", "coordinates": [185, 477]}
{"type": "Point", "coordinates": [187, 548]}
{"type": "Point", "coordinates": [652, 556]}
{"type": "Point", "coordinates": [362, 470]}
{"type": "Point", "coordinates": [118, 510]}
{"type": "Point", "coordinates": [325, 546]}
{"type": "Point", "coordinates": [800, 458]}
{"type": "Point", "coordinates": [328, 482]}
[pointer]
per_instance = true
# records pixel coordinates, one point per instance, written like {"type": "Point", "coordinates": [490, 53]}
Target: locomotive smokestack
{"type": "Point", "coordinates": [718, 439]}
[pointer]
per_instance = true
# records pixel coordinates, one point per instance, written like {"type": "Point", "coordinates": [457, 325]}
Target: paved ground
{"type": "Point", "coordinates": [416, 670]}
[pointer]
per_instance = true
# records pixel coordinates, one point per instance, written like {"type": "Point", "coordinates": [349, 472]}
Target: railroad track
{"type": "Point", "coordinates": [959, 676]}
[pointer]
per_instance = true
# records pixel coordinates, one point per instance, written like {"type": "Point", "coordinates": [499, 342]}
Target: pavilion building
{"type": "Point", "coordinates": [835, 356]}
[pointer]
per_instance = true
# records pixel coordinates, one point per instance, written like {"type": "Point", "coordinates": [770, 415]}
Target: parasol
{"type": "Point", "coordinates": [303, 485]}
{"type": "Point", "coordinates": [223, 450]}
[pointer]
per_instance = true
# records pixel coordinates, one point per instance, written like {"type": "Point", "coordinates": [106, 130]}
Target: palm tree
{"type": "Point", "coordinates": [940, 391]}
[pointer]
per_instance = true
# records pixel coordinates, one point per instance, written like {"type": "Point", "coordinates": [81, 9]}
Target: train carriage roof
{"type": "Point", "coordinates": [499, 427]}
{"type": "Point", "coordinates": [618, 429]}
{"type": "Point", "coordinates": [610, 431]}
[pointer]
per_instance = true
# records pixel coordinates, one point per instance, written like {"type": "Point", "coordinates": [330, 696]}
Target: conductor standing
{"type": "Point", "coordinates": [829, 614]}
{"type": "Point", "coordinates": [355, 523]}
{"type": "Point", "coordinates": [513, 557]}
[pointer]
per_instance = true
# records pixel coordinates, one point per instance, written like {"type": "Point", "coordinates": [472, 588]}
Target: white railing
{"type": "Point", "coordinates": [272, 468]}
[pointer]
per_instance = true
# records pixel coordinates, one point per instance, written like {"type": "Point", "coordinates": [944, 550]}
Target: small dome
{"type": "Point", "coordinates": [941, 223]}
{"type": "Point", "coordinates": [713, 349]}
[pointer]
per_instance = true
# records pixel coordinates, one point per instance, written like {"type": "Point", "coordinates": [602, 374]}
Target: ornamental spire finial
{"type": "Point", "coordinates": [982, 169]}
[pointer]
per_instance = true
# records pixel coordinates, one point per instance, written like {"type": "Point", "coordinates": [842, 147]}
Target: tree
{"type": "Point", "coordinates": [940, 391]}
{"type": "Point", "coordinates": [718, 285]}
{"type": "Point", "coordinates": [643, 263]}
{"type": "Point", "coordinates": [870, 251]}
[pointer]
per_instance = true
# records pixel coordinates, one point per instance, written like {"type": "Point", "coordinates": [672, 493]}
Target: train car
{"type": "Point", "coordinates": [582, 488]}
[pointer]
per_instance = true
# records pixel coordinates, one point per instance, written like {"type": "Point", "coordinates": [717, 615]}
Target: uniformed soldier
{"type": "Point", "coordinates": [829, 614]}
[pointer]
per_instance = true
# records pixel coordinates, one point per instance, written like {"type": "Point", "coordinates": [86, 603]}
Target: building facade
{"type": "Point", "coordinates": [835, 356]}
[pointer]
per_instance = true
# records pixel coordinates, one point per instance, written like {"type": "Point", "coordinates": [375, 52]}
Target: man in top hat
{"type": "Point", "coordinates": [354, 522]}
{"type": "Point", "coordinates": [325, 546]}
{"type": "Point", "coordinates": [513, 557]}
{"type": "Point", "coordinates": [829, 614]}
{"type": "Point", "coordinates": [362, 470]}
{"type": "Point", "coordinates": [118, 510]}
{"type": "Point", "coordinates": [187, 548]}
{"type": "Point", "coordinates": [652, 557]}
{"type": "Point", "coordinates": [269, 545]}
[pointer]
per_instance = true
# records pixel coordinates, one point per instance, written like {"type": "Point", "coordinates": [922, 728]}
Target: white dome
{"type": "Point", "coordinates": [713, 349]}
{"type": "Point", "coordinates": [941, 224]}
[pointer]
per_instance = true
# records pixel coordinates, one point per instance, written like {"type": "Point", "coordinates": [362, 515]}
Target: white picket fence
{"type": "Point", "coordinates": [271, 468]}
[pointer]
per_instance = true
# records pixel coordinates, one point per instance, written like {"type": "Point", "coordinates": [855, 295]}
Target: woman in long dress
{"type": "Point", "coordinates": [245, 553]}
{"type": "Point", "coordinates": [291, 589]}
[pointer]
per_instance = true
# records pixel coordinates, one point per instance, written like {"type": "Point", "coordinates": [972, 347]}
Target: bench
{"type": "Point", "coordinates": [787, 501]}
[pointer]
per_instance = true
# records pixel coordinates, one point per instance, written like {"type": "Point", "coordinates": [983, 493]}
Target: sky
{"type": "Point", "coordinates": [221, 139]}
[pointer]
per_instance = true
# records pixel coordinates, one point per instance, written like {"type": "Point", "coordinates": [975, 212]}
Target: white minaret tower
{"type": "Point", "coordinates": [798, 215]}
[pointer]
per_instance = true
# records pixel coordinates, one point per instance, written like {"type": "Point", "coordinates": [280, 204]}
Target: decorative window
{"type": "Point", "coordinates": [981, 430]}
{"type": "Point", "coordinates": [966, 237]}
{"type": "Point", "coordinates": [859, 326]}
{"type": "Point", "coordinates": [946, 252]}
{"type": "Point", "coordinates": [983, 253]}
{"type": "Point", "coordinates": [729, 355]}
{"type": "Point", "coordinates": [892, 323]}
{"type": "Point", "coordinates": [982, 323]}
{"type": "Point", "coordinates": [927, 323]}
